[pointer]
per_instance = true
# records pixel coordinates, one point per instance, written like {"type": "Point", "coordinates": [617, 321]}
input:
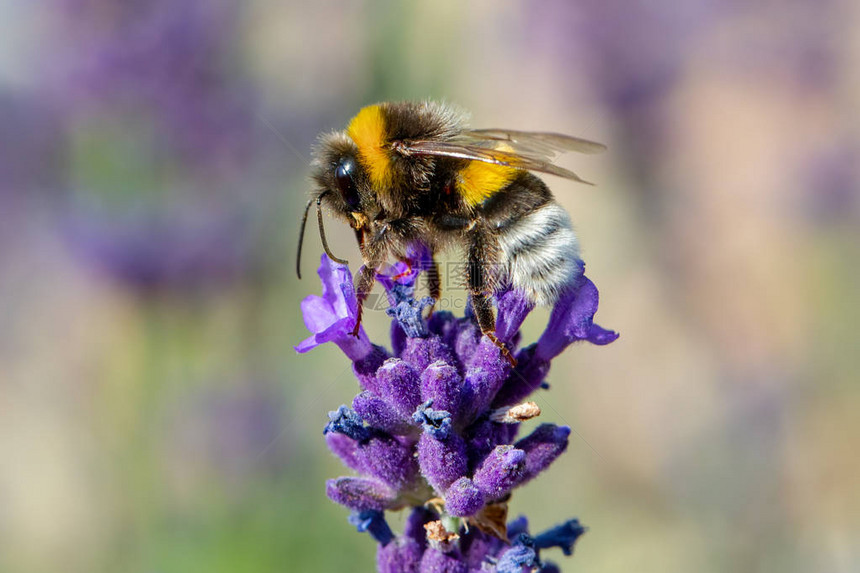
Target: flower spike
{"type": "Point", "coordinates": [434, 424]}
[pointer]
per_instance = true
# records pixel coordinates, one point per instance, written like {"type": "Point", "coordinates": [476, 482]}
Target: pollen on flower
{"type": "Point", "coordinates": [435, 424]}
{"type": "Point", "coordinates": [515, 414]}
{"type": "Point", "coordinates": [439, 537]}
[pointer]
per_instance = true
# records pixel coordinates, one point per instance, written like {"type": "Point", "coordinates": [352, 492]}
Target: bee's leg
{"type": "Point", "coordinates": [364, 282]}
{"type": "Point", "coordinates": [481, 282]}
{"type": "Point", "coordinates": [373, 253]}
{"type": "Point", "coordinates": [483, 307]}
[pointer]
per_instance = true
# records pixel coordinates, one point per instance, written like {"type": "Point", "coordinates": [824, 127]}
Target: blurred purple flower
{"type": "Point", "coordinates": [167, 157]}
{"type": "Point", "coordinates": [31, 159]}
{"type": "Point", "coordinates": [151, 252]}
{"type": "Point", "coordinates": [425, 431]}
{"type": "Point", "coordinates": [831, 180]}
{"type": "Point", "coordinates": [173, 62]}
{"type": "Point", "coordinates": [635, 55]}
{"type": "Point", "coordinates": [30, 147]}
{"type": "Point", "coordinates": [631, 51]}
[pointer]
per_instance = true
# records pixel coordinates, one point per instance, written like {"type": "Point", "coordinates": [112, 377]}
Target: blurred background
{"type": "Point", "coordinates": [154, 416]}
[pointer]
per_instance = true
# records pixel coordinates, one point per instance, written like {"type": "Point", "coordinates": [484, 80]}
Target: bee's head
{"type": "Point", "coordinates": [342, 182]}
{"type": "Point", "coordinates": [342, 186]}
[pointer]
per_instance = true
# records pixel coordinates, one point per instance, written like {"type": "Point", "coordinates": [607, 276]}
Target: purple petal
{"type": "Point", "coordinates": [420, 258]}
{"type": "Point", "coordinates": [317, 313]}
{"type": "Point", "coordinates": [347, 303]}
{"type": "Point", "coordinates": [334, 277]}
{"type": "Point", "coordinates": [542, 447]}
{"type": "Point", "coordinates": [513, 306]}
{"type": "Point", "coordinates": [440, 386]}
{"type": "Point", "coordinates": [563, 536]}
{"type": "Point", "coordinates": [601, 336]}
{"type": "Point", "coordinates": [524, 379]}
{"type": "Point", "coordinates": [340, 333]}
{"type": "Point", "coordinates": [397, 274]}
{"type": "Point", "coordinates": [332, 317]}
{"type": "Point", "coordinates": [572, 320]}
{"type": "Point", "coordinates": [306, 345]}
{"type": "Point", "coordinates": [517, 526]}
{"type": "Point", "coordinates": [373, 522]}
{"type": "Point", "coordinates": [500, 472]}
{"type": "Point", "coordinates": [327, 333]}
{"type": "Point", "coordinates": [360, 493]}
{"type": "Point", "coordinates": [463, 498]}
{"type": "Point", "coordinates": [405, 273]}
{"type": "Point", "coordinates": [354, 348]}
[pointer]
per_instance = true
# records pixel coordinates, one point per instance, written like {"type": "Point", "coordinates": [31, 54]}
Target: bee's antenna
{"type": "Point", "coordinates": [302, 239]}
{"type": "Point", "coordinates": [322, 232]}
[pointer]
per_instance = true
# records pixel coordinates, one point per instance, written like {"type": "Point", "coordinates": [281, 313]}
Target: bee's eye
{"type": "Point", "coordinates": [343, 175]}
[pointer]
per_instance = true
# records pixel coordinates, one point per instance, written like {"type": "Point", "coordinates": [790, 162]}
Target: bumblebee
{"type": "Point", "coordinates": [415, 172]}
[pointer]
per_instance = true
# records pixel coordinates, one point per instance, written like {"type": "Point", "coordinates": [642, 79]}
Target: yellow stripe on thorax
{"type": "Point", "coordinates": [479, 180]}
{"type": "Point", "coordinates": [368, 130]}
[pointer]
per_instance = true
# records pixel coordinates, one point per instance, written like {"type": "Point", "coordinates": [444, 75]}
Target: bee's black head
{"type": "Point", "coordinates": [342, 181]}
{"type": "Point", "coordinates": [342, 187]}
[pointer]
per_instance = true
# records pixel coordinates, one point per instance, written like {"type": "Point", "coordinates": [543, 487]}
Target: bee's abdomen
{"type": "Point", "coordinates": [540, 253]}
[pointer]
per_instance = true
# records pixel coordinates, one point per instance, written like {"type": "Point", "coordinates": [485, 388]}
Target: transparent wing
{"type": "Point", "coordinates": [546, 143]}
{"type": "Point", "coordinates": [519, 149]}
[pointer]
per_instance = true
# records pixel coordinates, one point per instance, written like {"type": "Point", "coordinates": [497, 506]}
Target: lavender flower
{"type": "Point", "coordinates": [434, 427]}
{"type": "Point", "coordinates": [332, 316]}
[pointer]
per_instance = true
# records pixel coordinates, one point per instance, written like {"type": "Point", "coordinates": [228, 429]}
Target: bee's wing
{"type": "Point", "coordinates": [551, 144]}
{"type": "Point", "coordinates": [518, 149]}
